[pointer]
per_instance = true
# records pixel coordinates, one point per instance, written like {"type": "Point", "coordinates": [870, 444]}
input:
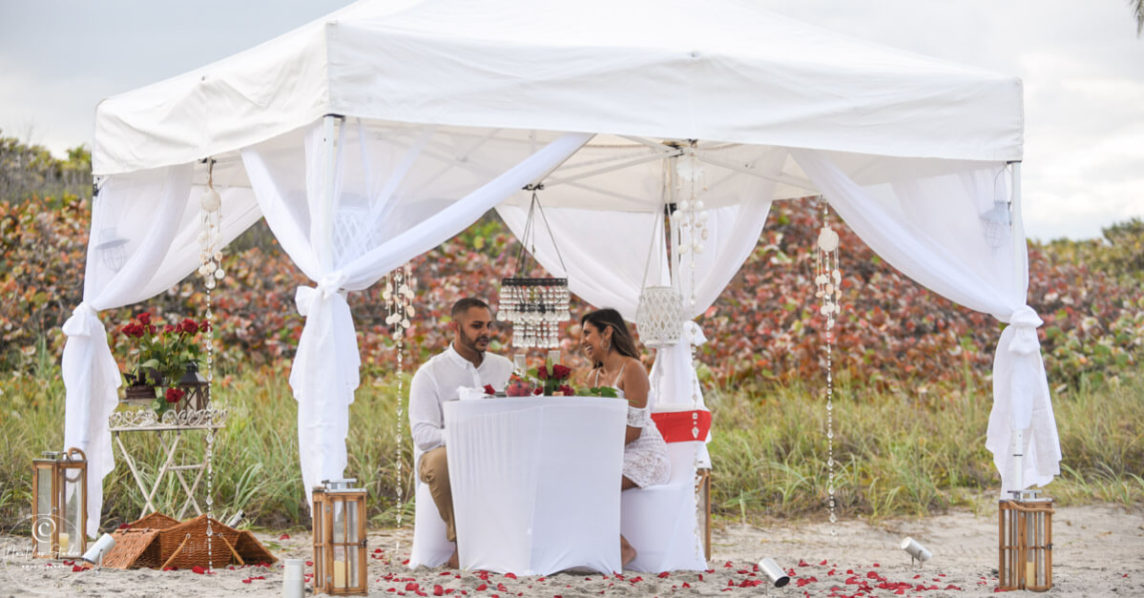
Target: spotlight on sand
{"type": "Point", "coordinates": [95, 554]}
{"type": "Point", "coordinates": [918, 553]}
{"type": "Point", "coordinates": [775, 572]}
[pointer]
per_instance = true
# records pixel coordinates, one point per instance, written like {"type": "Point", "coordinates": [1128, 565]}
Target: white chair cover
{"type": "Point", "coordinates": [661, 522]}
{"type": "Point", "coordinates": [430, 546]}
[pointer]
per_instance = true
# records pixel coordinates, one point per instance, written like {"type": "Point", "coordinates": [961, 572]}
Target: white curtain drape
{"type": "Point", "coordinates": [388, 203]}
{"type": "Point", "coordinates": [951, 232]}
{"type": "Point", "coordinates": [144, 233]}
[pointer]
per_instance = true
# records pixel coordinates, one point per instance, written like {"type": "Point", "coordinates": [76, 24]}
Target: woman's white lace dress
{"type": "Point", "coordinates": [645, 458]}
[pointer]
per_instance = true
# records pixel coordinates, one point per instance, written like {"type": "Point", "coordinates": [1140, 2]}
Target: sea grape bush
{"type": "Point", "coordinates": [764, 330]}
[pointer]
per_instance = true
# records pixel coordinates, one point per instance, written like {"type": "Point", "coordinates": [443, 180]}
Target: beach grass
{"type": "Point", "coordinates": [896, 454]}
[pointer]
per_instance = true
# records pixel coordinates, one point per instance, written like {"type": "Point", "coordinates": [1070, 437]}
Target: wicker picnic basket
{"type": "Point", "coordinates": [183, 545]}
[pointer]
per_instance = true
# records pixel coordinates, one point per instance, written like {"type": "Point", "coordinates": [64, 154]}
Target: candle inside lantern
{"type": "Point", "coordinates": [339, 574]}
{"type": "Point", "coordinates": [65, 542]}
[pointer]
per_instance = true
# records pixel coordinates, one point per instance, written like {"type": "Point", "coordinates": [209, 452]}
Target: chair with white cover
{"type": "Point", "coordinates": [430, 548]}
{"type": "Point", "coordinates": [661, 522]}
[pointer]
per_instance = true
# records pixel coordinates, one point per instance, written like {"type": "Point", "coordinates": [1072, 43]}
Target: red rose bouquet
{"type": "Point", "coordinates": [553, 379]}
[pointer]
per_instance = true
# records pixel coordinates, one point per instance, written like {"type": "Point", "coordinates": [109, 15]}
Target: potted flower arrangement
{"type": "Point", "coordinates": [162, 357]}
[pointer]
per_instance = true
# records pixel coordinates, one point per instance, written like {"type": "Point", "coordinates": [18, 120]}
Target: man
{"type": "Point", "coordinates": [464, 364]}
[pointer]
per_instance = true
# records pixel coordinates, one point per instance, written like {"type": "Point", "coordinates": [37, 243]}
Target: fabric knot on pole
{"type": "Point", "coordinates": [693, 333]}
{"type": "Point", "coordinates": [1024, 339]}
{"type": "Point", "coordinates": [84, 321]}
{"type": "Point", "coordinates": [329, 287]}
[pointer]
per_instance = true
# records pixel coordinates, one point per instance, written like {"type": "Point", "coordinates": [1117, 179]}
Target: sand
{"type": "Point", "coordinates": [1098, 551]}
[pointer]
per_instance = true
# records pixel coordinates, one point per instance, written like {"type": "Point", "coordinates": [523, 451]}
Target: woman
{"type": "Point", "coordinates": [609, 346]}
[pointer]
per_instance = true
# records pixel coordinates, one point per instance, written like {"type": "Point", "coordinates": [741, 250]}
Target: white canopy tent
{"type": "Point", "coordinates": [372, 135]}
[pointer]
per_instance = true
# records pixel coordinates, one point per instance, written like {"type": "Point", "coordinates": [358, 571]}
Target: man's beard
{"type": "Point", "coordinates": [471, 343]}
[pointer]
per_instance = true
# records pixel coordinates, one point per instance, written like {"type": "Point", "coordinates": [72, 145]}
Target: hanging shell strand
{"type": "Point", "coordinates": [828, 291]}
{"type": "Point", "coordinates": [691, 211]}
{"type": "Point", "coordinates": [398, 293]}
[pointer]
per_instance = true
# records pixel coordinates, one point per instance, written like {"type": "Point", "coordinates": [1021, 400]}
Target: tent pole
{"type": "Point", "coordinates": [1014, 221]}
{"type": "Point", "coordinates": [326, 201]}
{"type": "Point", "coordinates": [1016, 226]}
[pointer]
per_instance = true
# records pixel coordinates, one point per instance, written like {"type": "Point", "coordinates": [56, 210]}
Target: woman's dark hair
{"type": "Point", "coordinates": [622, 340]}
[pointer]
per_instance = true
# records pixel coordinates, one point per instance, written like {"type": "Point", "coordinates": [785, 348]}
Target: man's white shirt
{"type": "Point", "coordinates": [439, 380]}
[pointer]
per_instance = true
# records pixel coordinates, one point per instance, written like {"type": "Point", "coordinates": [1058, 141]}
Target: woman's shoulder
{"type": "Point", "coordinates": [633, 365]}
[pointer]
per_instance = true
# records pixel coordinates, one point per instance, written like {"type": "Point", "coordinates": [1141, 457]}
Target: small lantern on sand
{"type": "Point", "coordinates": [59, 505]}
{"type": "Point", "coordinates": [339, 538]}
{"type": "Point", "coordinates": [1026, 542]}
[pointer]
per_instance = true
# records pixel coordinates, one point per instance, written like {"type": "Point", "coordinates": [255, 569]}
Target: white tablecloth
{"type": "Point", "coordinates": [536, 482]}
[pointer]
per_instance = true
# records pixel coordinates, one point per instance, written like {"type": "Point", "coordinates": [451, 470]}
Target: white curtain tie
{"type": "Point", "coordinates": [330, 285]}
{"type": "Point", "coordinates": [84, 321]}
{"type": "Point", "coordinates": [1025, 323]}
{"type": "Point", "coordinates": [693, 333]}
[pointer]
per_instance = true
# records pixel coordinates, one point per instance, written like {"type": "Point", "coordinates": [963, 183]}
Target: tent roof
{"type": "Point", "coordinates": [720, 70]}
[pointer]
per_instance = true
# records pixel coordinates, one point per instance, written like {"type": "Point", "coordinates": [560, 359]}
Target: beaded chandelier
{"type": "Point", "coordinates": [534, 306]}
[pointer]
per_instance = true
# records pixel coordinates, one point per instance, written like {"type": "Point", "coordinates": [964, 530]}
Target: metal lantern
{"type": "Point", "coordinates": [659, 317]}
{"type": "Point", "coordinates": [534, 306]}
{"type": "Point", "coordinates": [339, 538]}
{"type": "Point", "coordinates": [1025, 528]}
{"type": "Point", "coordinates": [196, 389]}
{"type": "Point", "coordinates": [59, 504]}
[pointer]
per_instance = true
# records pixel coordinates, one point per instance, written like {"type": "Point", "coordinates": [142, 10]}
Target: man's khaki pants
{"type": "Point", "coordinates": [434, 471]}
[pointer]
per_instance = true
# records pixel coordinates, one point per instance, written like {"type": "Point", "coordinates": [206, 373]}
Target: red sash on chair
{"type": "Point", "coordinates": [683, 426]}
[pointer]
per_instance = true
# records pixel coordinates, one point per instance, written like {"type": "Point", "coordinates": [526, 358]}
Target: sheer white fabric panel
{"type": "Point", "coordinates": [134, 219]}
{"type": "Point", "coordinates": [948, 228]}
{"type": "Point", "coordinates": [397, 191]}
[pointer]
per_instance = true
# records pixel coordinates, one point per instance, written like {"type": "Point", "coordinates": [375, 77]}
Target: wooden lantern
{"type": "Point", "coordinates": [339, 538]}
{"type": "Point", "coordinates": [1026, 542]}
{"type": "Point", "coordinates": [59, 505]}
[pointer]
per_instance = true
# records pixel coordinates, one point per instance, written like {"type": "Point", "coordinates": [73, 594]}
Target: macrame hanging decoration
{"type": "Point", "coordinates": [828, 292]}
{"type": "Point", "coordinates": [398, 293]}
{"type": "Point", "coordinates": [534, 306]}
{"type": "Point", "coordinates": [210, 268]}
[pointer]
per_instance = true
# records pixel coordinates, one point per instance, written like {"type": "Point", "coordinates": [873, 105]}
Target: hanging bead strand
{"type": "Point", "coordinates": [828, 290]}
{"type": "Point", "coordinates": [210, 258]}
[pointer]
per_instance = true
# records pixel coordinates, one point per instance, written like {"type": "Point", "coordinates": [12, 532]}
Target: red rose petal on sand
{"type": "Point", "coordinates": [663, 575]}
{"type": "Point", "coordinates": [438, 590]}
{"type": "Point", "coordinates": [199, 570]}
{"type": "Point", "coordinates": [822, 562]}
{"type": "Point", "coordinates": [284, 537]}
{"type": "Point", "coordinates": [686, 585]}
{"type": "Point", "coordinates": [510, 575]}
{"type": "Point", "coordinates": [77, 568]}
{"type": "Point", "coordinates": [482, 587]}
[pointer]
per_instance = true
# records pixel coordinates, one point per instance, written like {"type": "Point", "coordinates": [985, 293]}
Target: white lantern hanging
{"type": "Point", "coordinates": [659, 314]}
{"type": "Point", "coordinates": [659, 317]}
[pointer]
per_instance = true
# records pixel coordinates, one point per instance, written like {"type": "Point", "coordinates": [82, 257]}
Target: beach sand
{"type": "Point", "coordinates": [1097, 551]}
